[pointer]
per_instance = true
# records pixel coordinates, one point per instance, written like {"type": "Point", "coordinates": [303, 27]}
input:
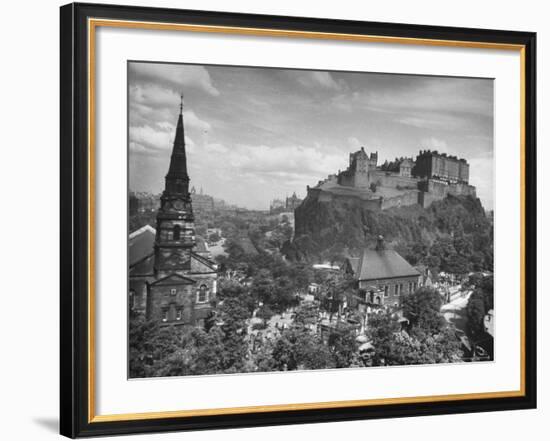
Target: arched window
{"type": "Point", "coordinates": [177, 232]}
{"type": "Point", "coordinates": [203, 294]}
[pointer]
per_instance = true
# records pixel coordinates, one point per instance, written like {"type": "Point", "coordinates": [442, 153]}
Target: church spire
{"type": "Point", "coordinates": [175, 237]}
{"type": "Point", "coordinates": [177, 179]}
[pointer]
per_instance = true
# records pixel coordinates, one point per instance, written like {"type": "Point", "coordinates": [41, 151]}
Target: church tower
{"type": "Point", "coordinates": [175, 232]}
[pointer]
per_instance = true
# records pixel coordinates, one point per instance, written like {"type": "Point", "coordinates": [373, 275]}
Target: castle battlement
{"type": "Point", "coordinates": [404, 181]}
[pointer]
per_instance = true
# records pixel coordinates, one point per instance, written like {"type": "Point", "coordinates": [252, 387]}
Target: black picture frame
{"type": "Point", "coordinates": [74, 220]}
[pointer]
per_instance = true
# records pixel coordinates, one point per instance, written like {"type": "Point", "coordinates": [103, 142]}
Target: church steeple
{"type": "Point", "coordinates": [175, 236]}
{"type": "Point", "coordinates": [177, 179]}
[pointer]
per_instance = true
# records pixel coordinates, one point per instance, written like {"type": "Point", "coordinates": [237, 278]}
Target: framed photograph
{"type": "Point", "coordinates": [273, 220]}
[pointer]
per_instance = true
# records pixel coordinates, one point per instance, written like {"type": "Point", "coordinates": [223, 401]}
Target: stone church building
{"type": "Point", "coordinates": [171, 276]}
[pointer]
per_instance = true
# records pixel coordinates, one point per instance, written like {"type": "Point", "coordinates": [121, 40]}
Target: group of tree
{"type": "Point", "coordinates": [221, 347]}
{"type": "Point", "coordinates": [481, 301]}
{"type": "Point", "coordinates": [267, 278]}
{"type": "Point", "coordinates": [224, 347]}
{"type": "Point", "coordinates": [424, 338]}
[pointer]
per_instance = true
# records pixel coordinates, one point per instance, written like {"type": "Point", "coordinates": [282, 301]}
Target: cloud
{"type": "Point", "coordinates": [155, 140]}
{"type": "Point", "coordinates": [153, 115]}
{"type": "Point", "coordinates": [307, 162]}
{"type": "Point", "coordinates": [174, 77]}
{"type": "Point", "coordinates": [433, 144]}
{"type": "Point", "coordinates": [149, 138]}
{"type": "Point", "coordinates": [483, 179]}
{"type": "Point", "coordinates": [216, 148]}
{"type": "Point", "coordinates": [322, 79]}
{"type": "Point", "coordinates": [448, 95]}
{"type": "Point", "coordinates": [253, 134]}
{"type": "Point", "coordinates": [354, 143]}
{"type": "Point", "coordinates": [192, 120]}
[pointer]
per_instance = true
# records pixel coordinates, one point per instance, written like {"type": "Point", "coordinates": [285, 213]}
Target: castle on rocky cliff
{"type": "Point", "coordinates": [406, 181]}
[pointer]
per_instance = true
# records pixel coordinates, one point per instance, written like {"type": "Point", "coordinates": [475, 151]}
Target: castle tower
{"type": "Point", "coordinates": [175, 232]}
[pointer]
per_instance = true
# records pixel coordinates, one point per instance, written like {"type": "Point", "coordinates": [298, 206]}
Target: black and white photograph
{"type": "Point", "coordinates": [284, 219]}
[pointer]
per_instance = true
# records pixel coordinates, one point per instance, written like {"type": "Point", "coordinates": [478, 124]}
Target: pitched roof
{"type": "Point", "coordinates": [200, 245]}
{"type": "Point", "coordinates": [204, 260]}
{"type": "Point", "coordinates": [143, 268]}
{"type": "Point", "coordinates": [383, 264]}
{"type": "Point", "coordinates": [140, 244]}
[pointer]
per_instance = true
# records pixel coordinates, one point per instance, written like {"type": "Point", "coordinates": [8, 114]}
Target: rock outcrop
{"type": "Point", "coordinates": [344, 226]}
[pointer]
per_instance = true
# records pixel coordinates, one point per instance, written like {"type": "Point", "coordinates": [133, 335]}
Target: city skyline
{"type": "Point", "coordinates": [256, 134]}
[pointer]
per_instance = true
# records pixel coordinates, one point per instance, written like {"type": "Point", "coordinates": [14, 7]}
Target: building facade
{"type": "Point", "coordinates": [383, 276]}
{"type": "Point", "coordinates": [202, 202]}
{"type": "Point", "coordinates": [178, 281]}
{"type": "Point", "coordinates": [432, 164]}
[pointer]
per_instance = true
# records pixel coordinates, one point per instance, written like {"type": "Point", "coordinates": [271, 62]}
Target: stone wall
{"type": "Point", "coordinates": [435, 190]}
{"type": "Point", "coordinates": [327, 197]}
{"type": "Point", "coordinates": [180, 303]}
{"type": "Point", "coordinates": [393, 180]}
{"type": "Point", "coordinates": [137, 296]}
{"type": "Point", "coordinates": [408, 197]}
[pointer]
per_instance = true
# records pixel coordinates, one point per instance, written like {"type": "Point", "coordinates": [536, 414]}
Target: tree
{"type": "Point", "coordinates": [214, 237]}
{"type": "Point", "coordinates": [264, 313]}
{"type": "Point", "coordinates": [297, 348]}
{"type": "Point", "coordinates": [149, 344]}
{"type": "Point", "coordinates": [233, 315]}
{"type": "Point", "coordinates": [393, 346]}
{"type": "Point", "coordinates": [230, 289]}
{"type": "Point", "coordinates": [422, 309]}
{"type": "Point", "coordinates": [198, 354]}
{"type": "Point", "coordinates": [475, 311]}
{"type": "Point", "coordinates": [234, 249]}
{"type": "Point", "coordinates": [433, 263]}
{"type": "Point", "coordinates": [382, 328]}
{"type": "Point", "coordinates": [339, 288]}
{"type": "Point", "coordinates": [479, 303]}
{"type": "Point", "coordinates": [343, 346]}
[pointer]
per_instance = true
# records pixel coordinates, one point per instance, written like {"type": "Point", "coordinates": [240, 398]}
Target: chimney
{"type": "Point", "coordinates": [380, 246]}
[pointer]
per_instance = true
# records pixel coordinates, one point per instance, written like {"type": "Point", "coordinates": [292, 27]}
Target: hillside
{"type": "Point", "coordinates": [451, 229]}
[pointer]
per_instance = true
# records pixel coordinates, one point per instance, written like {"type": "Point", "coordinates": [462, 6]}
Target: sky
{"type": "Point", "coordinates": [256, 134]}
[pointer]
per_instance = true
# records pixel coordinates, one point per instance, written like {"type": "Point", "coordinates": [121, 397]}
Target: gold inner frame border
{"type": "Point", "coordinates": [92, 26]}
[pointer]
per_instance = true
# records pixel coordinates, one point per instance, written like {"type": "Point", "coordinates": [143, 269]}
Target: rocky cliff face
{"type": "Point", "coordinates": [344, 226]}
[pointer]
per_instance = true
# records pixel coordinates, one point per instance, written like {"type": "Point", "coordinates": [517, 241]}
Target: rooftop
{"type": "Point", "coordinates": [381, 264]}
{"type": "Point", "coordinates": [140, 244]}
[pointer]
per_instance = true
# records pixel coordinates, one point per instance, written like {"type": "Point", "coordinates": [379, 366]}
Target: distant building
{"type": "Point", "coordinates": [143, 202]}
{"type": "Point", "coordinates": [292, 202]}
{"type": "Point", "coordinates": [432, 164]}
{"type": "Point", "coordinates": [276, 206]}
{"type": "Point", "coordinates": [171, 278]}
{"type": "Point", "coordinates": [383, 276]}
{"type": "Point", "coordinates": [201, 202]}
